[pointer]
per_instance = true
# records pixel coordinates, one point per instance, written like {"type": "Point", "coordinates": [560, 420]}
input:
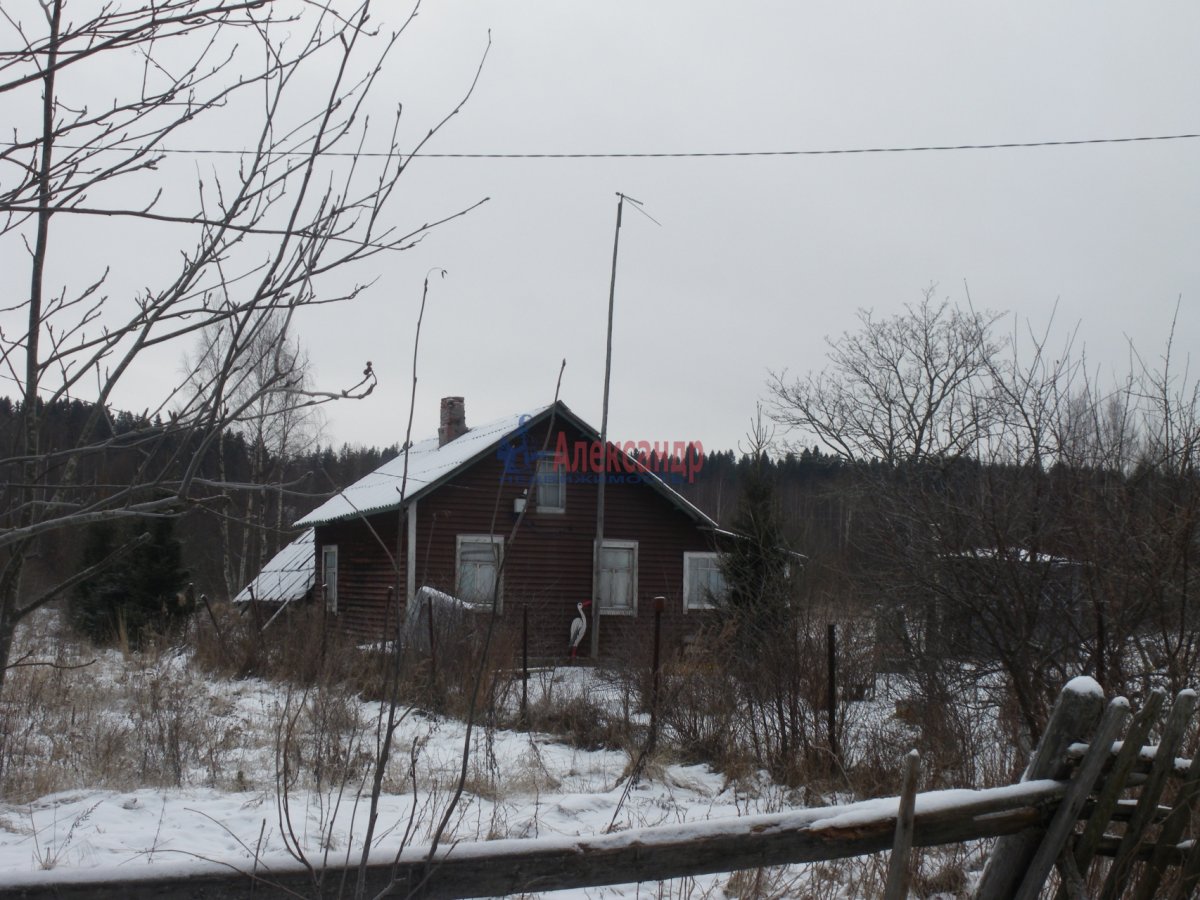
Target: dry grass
{"type": "Point", "coordinates": [71, 725]}
{"type": "Point", "coordinates": [581, 722]}
{"type": "Point", "coordinates": [298, 646]}
{"type": "Point", "coordinates": [91, 718]}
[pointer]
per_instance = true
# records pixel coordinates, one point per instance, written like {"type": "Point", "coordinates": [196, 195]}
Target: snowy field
{"type": "Point", "coordinates": [220, 755]}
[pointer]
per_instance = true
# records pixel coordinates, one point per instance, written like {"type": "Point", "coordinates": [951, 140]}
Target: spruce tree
{"type": "Point", "coordinates": [755, 565]}
{"type": "Point", "coordinates": [138, 595]}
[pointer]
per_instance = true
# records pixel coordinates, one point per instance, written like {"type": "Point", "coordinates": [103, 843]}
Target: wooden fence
{"type": "Point", "coordinates": [1068, 814]}
{"type": "Point", "coordinates": [1127, 845]}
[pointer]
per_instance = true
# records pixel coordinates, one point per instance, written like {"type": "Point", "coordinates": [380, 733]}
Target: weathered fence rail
{"type": "Point", "coordinates": [648, 854]}
{"type": "Point", "coordinates": [1058, 818]}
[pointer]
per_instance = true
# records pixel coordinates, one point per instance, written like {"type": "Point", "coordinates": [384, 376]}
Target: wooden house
{"type": "Point", "coordinates": [442, 517]}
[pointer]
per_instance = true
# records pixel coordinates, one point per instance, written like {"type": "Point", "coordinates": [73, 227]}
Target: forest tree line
{"type": "Point", "coordinates": [227, 533]}
{"type": "Point", "coordinates": [259, 517]}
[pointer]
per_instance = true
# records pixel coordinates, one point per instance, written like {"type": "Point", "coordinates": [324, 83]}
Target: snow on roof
{"type": "Point", "coordinates": [427, 464]}
{"type": "Point", "coordinates": [734, 535]}
{"type": "Point", "coordinates": [287, 577]}
{"type": "Point", "coordinates": [1012, 554]}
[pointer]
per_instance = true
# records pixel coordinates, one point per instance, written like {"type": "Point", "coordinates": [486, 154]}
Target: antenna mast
{"type": "Point", "coordinates": [597, 549]}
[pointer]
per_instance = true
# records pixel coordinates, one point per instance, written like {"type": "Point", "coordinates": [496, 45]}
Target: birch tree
{"type": "Point", "coordinates": [276, 426]}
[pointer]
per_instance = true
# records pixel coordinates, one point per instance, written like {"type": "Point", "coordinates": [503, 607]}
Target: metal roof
{"type": "Point", "coordinates": [430, 466]}
{"type": "Point", "coordinates": [287, 577]}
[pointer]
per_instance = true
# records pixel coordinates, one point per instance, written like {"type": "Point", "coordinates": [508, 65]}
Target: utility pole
{"type": "Point", "coordinates": [597, 548]}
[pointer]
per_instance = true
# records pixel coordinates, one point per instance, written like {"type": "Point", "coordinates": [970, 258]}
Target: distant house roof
{"type": "Point", "coordinates": [287, 577]}
{"type": "Point", "coordinates": [1014, 554]}
{"type": "Point", "coordinates": [430, 466]}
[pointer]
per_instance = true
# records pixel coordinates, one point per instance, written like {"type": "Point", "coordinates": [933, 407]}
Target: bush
{"type": "Point", "coordinates": [581, 722]}
{"type": "Point", "coordinates": [299, 646]}
{"type": "Point", "coordinates": [702, 712]}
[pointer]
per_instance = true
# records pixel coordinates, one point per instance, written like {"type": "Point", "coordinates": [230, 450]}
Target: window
{"type": "Point", "coordinates": [329, 576]}
{"type": "Point", "coordinates": [618, 578]}
{"type": "Point", "coordinates": [479, 567]}
{"type": "Point", "coordinates": [551, 482]}
{"type": "Point", "coordinates": [704, 583]}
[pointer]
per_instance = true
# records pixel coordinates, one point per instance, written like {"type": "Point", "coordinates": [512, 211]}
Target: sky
{"type": "Point", "coordinates": [753, 261]}
{"type": "Point", "coordinates": [757, 260]}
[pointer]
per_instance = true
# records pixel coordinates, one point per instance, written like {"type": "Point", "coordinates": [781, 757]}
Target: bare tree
{"type": "Point", "coordinates": [1135, 516]}
{"type": "Point", "coordinates": [1015, 519]}
{"type": "Point", "coordinates": [287, 223]}
{"type": "Point", "coordinates": [908, 387]}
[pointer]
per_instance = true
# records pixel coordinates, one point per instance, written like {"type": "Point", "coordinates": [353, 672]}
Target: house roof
{"type": "Point", "coordinates": [287, 577]}
{"type": "Point", "coordinates": [429, 466]}
{"type": "Point", "coordinates": [1013, 554]}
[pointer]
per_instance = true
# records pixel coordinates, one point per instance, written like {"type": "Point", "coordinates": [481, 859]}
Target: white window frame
{"type": "Point", "coordinates": [689, 557]}
{"type": "Point", "coordinates": [330, 588]}
{"type": "Point", "coordinates": [630, 610]}
{"type": "Point", "coordinates": [496, 540]}
{"type": "Point", "coordinates": [560, 471]}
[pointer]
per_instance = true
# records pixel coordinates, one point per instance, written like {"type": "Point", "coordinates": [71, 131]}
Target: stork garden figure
{"type": "Point", "coordinates": [579, 626]}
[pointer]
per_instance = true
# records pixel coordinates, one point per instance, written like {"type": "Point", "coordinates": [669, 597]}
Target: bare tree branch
{"type": "Point", "coordinates": [285, 227]}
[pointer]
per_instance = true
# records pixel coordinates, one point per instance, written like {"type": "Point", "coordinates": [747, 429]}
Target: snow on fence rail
{"type": "Point", "coordinates": [650, 854]}
{"type": "Point", "coordinates": [1037, 821]}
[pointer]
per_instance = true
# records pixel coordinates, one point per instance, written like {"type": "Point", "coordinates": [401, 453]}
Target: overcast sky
{"type": "Point", "coordinates": [758, 259]}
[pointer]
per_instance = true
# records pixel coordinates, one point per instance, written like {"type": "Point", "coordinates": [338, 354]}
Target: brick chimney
{"type": "Point", "coordinates": [454, 420]}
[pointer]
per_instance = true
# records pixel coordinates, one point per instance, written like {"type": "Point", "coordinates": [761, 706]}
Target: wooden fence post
{"type": "Point", "coordinates": [1170, 832]}
{"type": "Point", "coordinates": [1147, 805]}
{"type": "Point", "coordinates": [433, 669]}
{"type": "Point", "coordinates": [1190, 874]}
{"type": "Point", "coordinates": [899, 871]}
{"type": "Point", "coordinates": [1059, 831]}
{"type": "Point", "coordinates": [660, 604]}
{"type": "Point", "coordinates": [831, 700]}
{"type": "Point", "coordinates": [524, 662]}
{"type": "Point", "coordinates": [1072, 719]}
{"type": "Point", "coordinates": [1114, 782]}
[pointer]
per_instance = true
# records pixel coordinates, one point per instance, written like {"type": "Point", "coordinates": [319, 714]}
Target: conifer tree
{"type": "Point", "coordinates": [755, 565]}
{"type": "Point", "coordinates": [135, 599]}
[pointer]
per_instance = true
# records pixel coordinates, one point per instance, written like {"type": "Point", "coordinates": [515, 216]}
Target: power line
{"type": "Point", "coordinates": [716, 154]}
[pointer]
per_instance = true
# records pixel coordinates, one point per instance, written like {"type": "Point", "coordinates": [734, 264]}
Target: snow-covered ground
{"type": "Point", "coordinates": [224, 750]}
{"type": "Point", "coordinates": [547, 790]}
